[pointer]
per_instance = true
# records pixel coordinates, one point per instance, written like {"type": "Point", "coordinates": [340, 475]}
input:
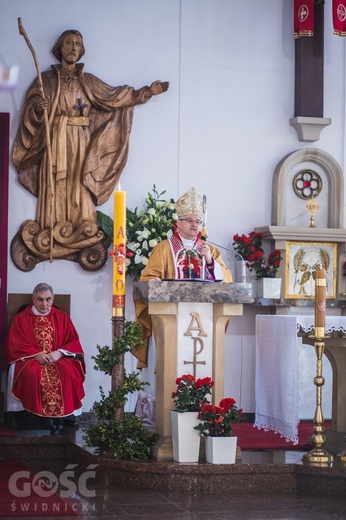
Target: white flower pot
{"type": "Point", "coordinates": [185, 439]}
{"type": "Point", "coordinates": [269, 288]}
{"type": "Point", "coordinates": [220, 450]}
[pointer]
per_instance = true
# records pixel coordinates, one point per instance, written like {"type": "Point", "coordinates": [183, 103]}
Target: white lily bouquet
{"type": "Point", "coordinates": [146, 228]}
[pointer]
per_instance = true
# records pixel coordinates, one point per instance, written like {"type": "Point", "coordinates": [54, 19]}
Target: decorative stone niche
{"type": "Point", "coordinates": [290, 217]}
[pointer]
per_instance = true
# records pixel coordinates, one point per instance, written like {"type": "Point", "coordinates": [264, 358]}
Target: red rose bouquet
{"type": "Point", "coordinates": [216, 421]}
{"type": "Point", "coordinates": [250, 249]}
{"type": "Point", "coordinates": [191, 393]}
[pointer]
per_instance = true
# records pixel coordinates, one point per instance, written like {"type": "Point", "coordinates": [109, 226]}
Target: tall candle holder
{"type": "Point", "coordinates": [341, 457]}
{"type": "Point", "coordinates": [319, 456]}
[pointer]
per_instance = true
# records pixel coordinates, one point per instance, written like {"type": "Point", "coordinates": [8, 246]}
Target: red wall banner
{"type": "Point", "coordinates": [339, 17]}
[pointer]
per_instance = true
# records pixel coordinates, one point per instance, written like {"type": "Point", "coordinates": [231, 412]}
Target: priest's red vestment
{"type": "Point", "coordinates": [54, 390]}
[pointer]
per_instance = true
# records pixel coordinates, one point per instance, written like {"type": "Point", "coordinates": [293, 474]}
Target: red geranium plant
{"type": "Point", "coordinates": [191, 393]}
{"type": "Point", "coordinates": [216, 421]}
{"type": "Point", "coordinates": [250, 249]}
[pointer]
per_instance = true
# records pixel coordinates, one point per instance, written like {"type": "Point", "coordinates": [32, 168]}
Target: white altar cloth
{"type": "Point", "coordinates": [277, 374]}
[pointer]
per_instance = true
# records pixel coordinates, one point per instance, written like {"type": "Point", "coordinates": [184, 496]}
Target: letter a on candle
{"type": "Point", "coordinates": [119, 244]}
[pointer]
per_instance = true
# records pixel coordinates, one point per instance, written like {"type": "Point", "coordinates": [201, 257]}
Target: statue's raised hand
{"type": "Point", "coordinates": [158, 87]}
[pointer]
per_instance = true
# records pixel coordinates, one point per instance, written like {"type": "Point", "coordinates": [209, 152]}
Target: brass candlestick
{"type": "Point", "coordinates": [312, 207]}
{"type": "Point", "coordinates": [341, 457]}
{"type": "Point", "coordinates": [319, 456]}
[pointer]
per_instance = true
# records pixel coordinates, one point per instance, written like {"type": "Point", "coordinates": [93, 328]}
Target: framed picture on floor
{"type": "Point", "coordinates": [302, 259]}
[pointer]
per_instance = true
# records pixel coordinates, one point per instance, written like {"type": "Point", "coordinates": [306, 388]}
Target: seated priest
{"type": "Point", "coordinates": [45, 360]}
{"type": "Point", "coordinates": [184, 255]}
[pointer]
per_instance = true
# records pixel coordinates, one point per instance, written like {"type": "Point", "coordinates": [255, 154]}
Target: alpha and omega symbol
{"type": "Point", "coordinates": [198, 344]}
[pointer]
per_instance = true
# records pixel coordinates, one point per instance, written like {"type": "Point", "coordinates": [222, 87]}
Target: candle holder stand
{"type": "Point", "coordinates": [318, 456]}
{"type": "Point", "coordinates": [341, 457]}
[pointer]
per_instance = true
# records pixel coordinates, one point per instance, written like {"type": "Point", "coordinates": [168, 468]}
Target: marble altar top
{"type": "Point", "coordinates": [192, 291]}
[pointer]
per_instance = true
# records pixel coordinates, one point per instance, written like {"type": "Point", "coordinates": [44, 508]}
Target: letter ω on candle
{"type": "Point", "coordinates": [119, 244]}
{"type": "Point", "coordinates": [320, 301]}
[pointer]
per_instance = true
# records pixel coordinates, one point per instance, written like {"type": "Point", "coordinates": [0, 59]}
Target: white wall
{"type": "Point", "coordinates": [222, 126]}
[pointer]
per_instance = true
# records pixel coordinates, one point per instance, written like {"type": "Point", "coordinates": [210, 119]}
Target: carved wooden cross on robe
{"type": "Point", "coordinates": [81, 106]}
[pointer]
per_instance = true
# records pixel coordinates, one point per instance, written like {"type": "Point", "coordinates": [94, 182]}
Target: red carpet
{"type": "Point", "coordinates": [5, 431]}
{"type": "Point", "coordinates": [250, 438]}
{"type": "Point", "coordinates": [24, 495]}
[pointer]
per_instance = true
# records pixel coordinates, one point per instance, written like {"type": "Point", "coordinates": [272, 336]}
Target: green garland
{"type": "Point", "coordinates": [125, 438]}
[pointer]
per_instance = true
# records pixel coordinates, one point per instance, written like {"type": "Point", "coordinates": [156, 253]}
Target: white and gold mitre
{"type": "Point", "coordinates": [191, 203]}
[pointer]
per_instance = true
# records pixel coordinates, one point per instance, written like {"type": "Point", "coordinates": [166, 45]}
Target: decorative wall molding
{"type": "Point", "coordinates": [309, 128]}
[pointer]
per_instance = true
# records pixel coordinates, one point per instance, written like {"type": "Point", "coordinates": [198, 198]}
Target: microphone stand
{"type": "Point", "coordinates": [204, 234]}
{"type": "Point", "coordinates": [243, 265]}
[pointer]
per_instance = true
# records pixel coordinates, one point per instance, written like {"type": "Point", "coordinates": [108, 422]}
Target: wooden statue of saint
{"type": "Point", "coordinates": [89, 129]}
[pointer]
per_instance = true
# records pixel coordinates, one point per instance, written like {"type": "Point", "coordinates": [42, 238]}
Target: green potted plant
{"type": "Point", "coordinates": [124, 436]}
